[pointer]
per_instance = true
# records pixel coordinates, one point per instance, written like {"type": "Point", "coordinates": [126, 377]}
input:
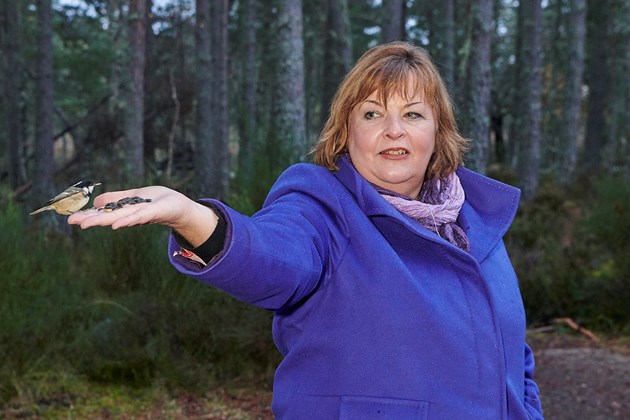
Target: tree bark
{"type": "Point", "coordinates": [44, 157]}
{"type": "Point", "coordinates": [220, 162]}
{"type": "Point", "coordinates": [288, 128]}
{"type": "Point", "coordinates": [526, 132]}
{"type": "Point", "coordinates": [203, 71]}
{"type": "Point", "coordinates": [572, 109]}
{"type": "Point", "coordinates": [12, 92]}
{"type": "Point", "coordinates": [476, 122]}
{"type": "Point", "coordinates": [616, 151]}
{"type": "Point", "coordinates": [248, 114]}
{"type": "Point", "coordinates": [337, 53]}
{"type": "Point", "coordinates": [598, 74]}
{"type": "Point", "coordinates": [446, 56]}
{"type": "Point", "coordinates": [135, 113]}
{"type": "Point", "coordinates": [393, 27]}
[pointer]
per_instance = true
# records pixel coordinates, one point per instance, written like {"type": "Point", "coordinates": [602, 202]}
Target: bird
{"type": "Point", "coordinates": [73, 199]}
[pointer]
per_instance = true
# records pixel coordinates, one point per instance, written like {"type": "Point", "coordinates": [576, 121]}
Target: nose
{"type": "Point", "coordinates": [394, 128]}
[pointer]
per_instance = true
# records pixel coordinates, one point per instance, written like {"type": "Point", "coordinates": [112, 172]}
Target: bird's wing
{"type": "Point", "coordinates": [70, 191]}
{"type": "Point", "coordinates": [39, 210]}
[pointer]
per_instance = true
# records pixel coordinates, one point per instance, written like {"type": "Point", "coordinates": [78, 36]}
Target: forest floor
{"type": "Point", "coordinates": [579, 378]}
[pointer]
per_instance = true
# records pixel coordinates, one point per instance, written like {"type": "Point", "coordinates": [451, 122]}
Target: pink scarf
{"type": "Point", "coordinates": [436, 208]}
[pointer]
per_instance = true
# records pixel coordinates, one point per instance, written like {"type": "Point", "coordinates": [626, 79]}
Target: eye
{"type": "Point", "coordinates": [370, 115]}
{"type": "Point", "coordinates": [413, 115]}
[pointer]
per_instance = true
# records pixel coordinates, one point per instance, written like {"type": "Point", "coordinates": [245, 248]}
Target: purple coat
{"type": "Point", "coordinates": [376, 316]}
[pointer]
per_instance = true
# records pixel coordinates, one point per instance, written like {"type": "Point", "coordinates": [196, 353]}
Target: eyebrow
{"type": "Point", "coordinates": [410, 104]}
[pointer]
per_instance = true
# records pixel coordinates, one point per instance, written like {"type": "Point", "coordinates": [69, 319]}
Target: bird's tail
{"type": "Point", "coordinates": [40, 210]}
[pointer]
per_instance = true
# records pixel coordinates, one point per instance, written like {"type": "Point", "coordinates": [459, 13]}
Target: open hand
{"type": "Point", "coordinates": [167, 207]}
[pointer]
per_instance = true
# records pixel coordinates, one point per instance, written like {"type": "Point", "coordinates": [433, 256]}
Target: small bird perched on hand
{"type": "Point", "coordinates": [73, 199]}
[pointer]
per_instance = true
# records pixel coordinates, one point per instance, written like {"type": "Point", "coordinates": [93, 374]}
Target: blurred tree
{"type": "Point", "coordinates": [12, 72]}
{"type": "Point", "coordinates": [503, 82]}
{"type": "Point", "coordinates": [476, 104]}
{"type": "Point", "coordinates": [567, 149]}
{"type": "Point", "coordinates": [337, 53]}
{"type": "Point", "coordinates": [203, 70]}
{"type": "Point", "coordinates": [287, 135]}
{"type": "Point", "coordinates": [526, 129]}
{"type": "Point", "coordinates": [169, 117]}
{"type": "Point", "coordinates": [393, 20]}
{"type": "Point", "coordinates": [616, 154]}
{"type": "Point", "coordinates": [315, 15]}
{"type": "Point", "coordinates": [91, 52]}
{"type": "Point", "coordinates": [134, 142]}
{"type": "Point", "coordinates": [444, 36]}
{"type": "Point", "coordinates": [44, 155]}
{"type": "Point", "coordinates": [597, 74]}
{"type": "Point", "coordinates": [365, 21]}
{"type": "Point", "coordinates": [247, 116]}
{"type": "Point", "coordinates": [220, 158]}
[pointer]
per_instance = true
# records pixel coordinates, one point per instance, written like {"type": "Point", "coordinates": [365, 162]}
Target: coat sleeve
{"type": "Point", "coordinates": [276, 257]}
{"type": "Point", "coordinates": [532, 400]}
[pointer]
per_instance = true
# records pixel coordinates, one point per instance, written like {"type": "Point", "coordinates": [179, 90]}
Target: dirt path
{"type": "Point", "coordinates": [578, 378]}
{"type": "Point", "coordinates": [582, 379]}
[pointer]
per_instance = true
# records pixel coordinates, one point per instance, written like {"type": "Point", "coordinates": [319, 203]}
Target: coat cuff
{"type": "Point", "coordinates": [211, 248]}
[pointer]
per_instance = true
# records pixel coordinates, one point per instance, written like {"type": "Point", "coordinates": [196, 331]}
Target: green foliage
{"type": "Point", "coordinates": [570, 253]}
{"type": "Point", "coordinates": [108, 305]}
{"type": "Point", "coordinates": [608, 223]}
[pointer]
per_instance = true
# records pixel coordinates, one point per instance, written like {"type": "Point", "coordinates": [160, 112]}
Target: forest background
{"type": "Point", "coordinates": [216, 98]}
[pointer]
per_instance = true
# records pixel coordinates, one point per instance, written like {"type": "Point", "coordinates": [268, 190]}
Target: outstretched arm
{"type": "Point", "coordinates": [193, 221]}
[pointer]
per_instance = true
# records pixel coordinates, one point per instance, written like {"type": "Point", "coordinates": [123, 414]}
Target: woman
{"type": "Point", "coordinates": [384, 262]}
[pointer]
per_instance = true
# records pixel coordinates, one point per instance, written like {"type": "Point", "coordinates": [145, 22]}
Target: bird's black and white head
{"type": "Point", "coordinates": [87, 186]}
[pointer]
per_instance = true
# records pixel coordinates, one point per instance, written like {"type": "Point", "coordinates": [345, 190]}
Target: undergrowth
{"type": "Point", "coordinates": [107, 306]}
{"type": "Point", "coordinates": [570, 251]}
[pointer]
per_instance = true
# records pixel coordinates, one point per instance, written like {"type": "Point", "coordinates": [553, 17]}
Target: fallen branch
{"type": "Point", "coordinates": [576, 327]}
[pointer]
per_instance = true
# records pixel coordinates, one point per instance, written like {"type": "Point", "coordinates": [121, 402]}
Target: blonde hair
{"type": "Point", "coordinates": [385, 69]}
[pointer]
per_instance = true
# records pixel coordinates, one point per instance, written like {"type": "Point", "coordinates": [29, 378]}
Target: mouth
{"type": "Point", "coordinates": [394, 152]}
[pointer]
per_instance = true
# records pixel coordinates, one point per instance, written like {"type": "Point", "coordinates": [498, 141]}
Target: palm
{"type": "Point", "coordinates": [167, 207]}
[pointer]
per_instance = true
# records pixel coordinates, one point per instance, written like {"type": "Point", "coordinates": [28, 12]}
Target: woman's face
{"type": "Point", "coordinates": [391, 147]}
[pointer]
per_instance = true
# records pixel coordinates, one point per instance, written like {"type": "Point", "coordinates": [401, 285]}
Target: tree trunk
{"type": "Point", "coordinates": [476, 122]}
{"type": "Point", "coordinates": [288, 128]}
{"type": "Point", "coordinates": [203, 70]}
{"type": "Point", "coordinates": [248, 114]}
{"type": "Point", "coordinates": [393, 27]}
{"type": "Point", "coordinates": [446, 56]}
{"type": "Point", "coordinates": [526, 132]}
{"type": "Point", "coordinates": [44, 157]}
{"type": "Point", "coordinates": [598, 74]}
{"type": "Point", "coordinates": [220, 159]}
{"type": "Point", "coordinates": [135, 113]}
{"type": "Point", "coordinates": [247, 117]}
{"type": "Point", "coordinates": [616, 152]}
{"type": "Point", "coordinates": [11, 53]}
{"type": "Point", "coordinates": [337, 53]}
{"type": "Point", "coordinates": [572, 109]}
{"type": "Point", "coordinates": [556, 55]}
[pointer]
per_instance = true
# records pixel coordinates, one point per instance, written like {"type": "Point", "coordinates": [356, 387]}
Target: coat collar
{"type": "Point", "coordinates": [486, 215]}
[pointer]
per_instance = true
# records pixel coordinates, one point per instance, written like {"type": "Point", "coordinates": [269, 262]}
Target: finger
{"type": "Point", "coordinates": [108, 197]}
{"type": "Point", "coordinates": [76, 218]}
{"type": "Point", "coordinates": [96, 217]}
{"type": "Point", "coordinates": [134, 219]}
{"type": "Point", "coordinates": [124, 217]}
